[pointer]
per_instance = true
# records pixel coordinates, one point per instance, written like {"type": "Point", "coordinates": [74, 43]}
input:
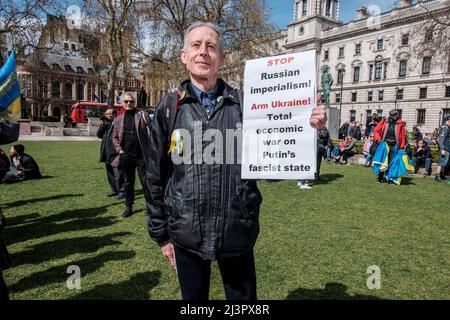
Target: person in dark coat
{"type": "Point", "coordinates": [5, 261]}
{"type": "Point", "coordinates": [108, 153]}
{"type": "Point", "coordinates": [24, 167]}
{"type": "Point", "coordinates": [203, 212]}
{"type": "Point", "coordinates": [4, 164]}
{"type": "Point", "coordinates": [422, 157]}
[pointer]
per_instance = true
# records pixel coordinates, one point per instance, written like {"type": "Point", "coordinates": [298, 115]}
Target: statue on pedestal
{"type": "Point", "coordinates": [327, 82]}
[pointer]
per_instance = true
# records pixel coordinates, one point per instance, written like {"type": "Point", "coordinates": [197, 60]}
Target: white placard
{"type": "Point", "coordinates": [279, 95]}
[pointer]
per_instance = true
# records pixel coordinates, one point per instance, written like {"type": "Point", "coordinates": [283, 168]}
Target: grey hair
{"type": "Point", "coordinates": [130, 94]}
{"type": "Point", "coordinates": [210, 25]}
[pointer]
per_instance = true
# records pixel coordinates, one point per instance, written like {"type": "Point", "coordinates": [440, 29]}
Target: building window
{"type": "Point", "coordinates": [369, 95]}
{"type": "Point", "coordinates": [327, 54]}
{"type": "Point", "coordinates": [297, 12]}
{"type": "Point", "coordinates": [385, 70]}
{"type": "Point", "coordinates": [399, 95]}
{"type": "Point", "coordinates": [426, 65]}
{"type": "Point", "coordinates": [423, 93]}
{"type": "Point", "coordinates": [378, 70]}
{"type": "Point", "coordinates": [447, 91]}
{"type": "Point", "coordinates": [352, 115]}
{"type": "Point", "coordinates": [341, 52]}
{"type": "Point", "coordinates": [402, 69]}
{"type": "Point", "coordinates": [328, 8]}
{"type": "Point", "coordinates": [356, 71]}
{"type": "Point", "coordinates": [338, 97]}
{"type": "Point", "coordinates": [68, 91]}
{"type": "Point", "coordinates": [80, 91]}
{"type": "Point", "coordinates": [74, 47]}
{"type": "Point", "coordinates": [340, 77]}
{"type": "Point", "coordinates": [56, 90]}
{"type": "Point", "coordinates": [405, 39]}
{"type": "Point", "coordinates": [380, 44]}
{"type": "Point", "coordinates": [305, 7]}
{"type": "Point", "coordinates": [358, 48]}
{"type": "Point", "coordinates": [354, 96]}
{"type": "Point", "coordinates": [421, 116]}
{"type": "Point", "coordinates": [380, 95]}
{"type": "Point", "coordinates": [429, 35]}
{"type": "Point", "coordinates": [370, 72]}
{"type": "Point", "coordinates": [66, 46]}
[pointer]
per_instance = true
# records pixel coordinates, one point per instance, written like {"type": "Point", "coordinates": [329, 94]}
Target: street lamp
{"type": "Point", "coordinates": [440, 118]}
{"type": "Point", "coordinates": [396, 97]}
{"type": "Point", "coordinates": [342, 72]}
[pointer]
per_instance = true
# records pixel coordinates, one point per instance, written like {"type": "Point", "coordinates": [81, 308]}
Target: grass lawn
{"type": "Point", "coordinates": [313, 244]}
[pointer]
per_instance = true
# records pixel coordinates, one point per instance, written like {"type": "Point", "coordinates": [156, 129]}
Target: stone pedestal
{"type": "Point", "coordinates": [25, 127]}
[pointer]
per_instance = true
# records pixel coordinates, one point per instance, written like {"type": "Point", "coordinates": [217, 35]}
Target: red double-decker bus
{"type": "Point", "coordinates": [80, 111]}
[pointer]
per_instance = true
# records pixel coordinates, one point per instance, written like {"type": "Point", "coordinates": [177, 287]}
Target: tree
{"type": "Point", "coordinates": [110, 18]}
{"type": "Point", "coordinates": [21, 23]}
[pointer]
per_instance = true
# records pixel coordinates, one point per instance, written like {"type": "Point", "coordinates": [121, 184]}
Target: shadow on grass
{"type": "Point", "coordinates": [136, 288]}
{"type": "Point", "coordinates": [332, 291]}
{"type": "Point", "coordinates": [58, 249]}
{"type": "Point", "coordinates": [327, 178]}
{"type": "Point", "coordinates": [28, 201]}
{"type": "Point", "coordinates": [59, 274]}
{"type": "Point", "coordinates": [79, 219]}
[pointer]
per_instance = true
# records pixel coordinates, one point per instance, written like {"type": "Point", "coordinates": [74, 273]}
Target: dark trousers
{"type": "Point", "coordinates": [115, 178]}
{"type": "Point", "coordinates": [238, 275]}
{"type": "Point", "coordinates": [418, 162]}
{"type": "Point", "coordinates": [128, 166]}
{"type": "Point", "coordinates": [347, 154]}
{"type": "Point", "coordinates": [320, 153]}
{"type": "Point", "coordinates": [4, 296]}
{"type": "Point", "coordinates": [390, 157]}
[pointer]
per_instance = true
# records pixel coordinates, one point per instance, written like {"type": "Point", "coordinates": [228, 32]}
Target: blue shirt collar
{"type": "Point", "coordinates": [212, 95]}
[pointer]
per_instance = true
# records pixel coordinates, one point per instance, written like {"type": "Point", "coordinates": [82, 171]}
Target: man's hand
{"type": "Point", "coordinates": [121, 151]}
{"type": "Point", "coordinates": [318, 117]}
{"type": "Point", "coordinates": [169, 253]}
{"type": "Point", "coordinates": [443, 153]}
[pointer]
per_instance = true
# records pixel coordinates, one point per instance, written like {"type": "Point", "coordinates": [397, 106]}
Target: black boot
{"type": "Point", "coordinates": [128, 212]}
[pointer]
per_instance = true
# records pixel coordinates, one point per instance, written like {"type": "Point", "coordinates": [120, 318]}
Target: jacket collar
{"type": "Point", "coordinates": [187, 94]}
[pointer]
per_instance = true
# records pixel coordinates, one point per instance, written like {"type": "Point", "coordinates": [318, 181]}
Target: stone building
{"type": "Point", "coordinates": [64, 72]}
{"type": "Point", "coordinates": [379, 62]}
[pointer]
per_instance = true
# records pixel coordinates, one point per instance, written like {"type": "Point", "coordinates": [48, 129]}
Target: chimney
{"type": "Point", "coordinates": [404, 3]}
{"type": "Point", "coordinates": [362, 13]}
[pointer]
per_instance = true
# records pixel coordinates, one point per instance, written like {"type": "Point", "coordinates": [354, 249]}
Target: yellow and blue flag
{"type": "Point", "coordinates": [9, 91]}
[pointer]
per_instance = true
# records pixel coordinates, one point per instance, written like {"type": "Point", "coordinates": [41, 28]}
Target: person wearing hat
{"type": "Point", "coordinates": [444, 147]}
{"type": "Point", "coordinates": [24, 167]}
{"type": "Point", "coordinates": [393, 132]}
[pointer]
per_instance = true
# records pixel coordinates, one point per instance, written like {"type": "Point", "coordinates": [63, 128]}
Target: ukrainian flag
{"type": "Point", "coordinates": [9, 91]}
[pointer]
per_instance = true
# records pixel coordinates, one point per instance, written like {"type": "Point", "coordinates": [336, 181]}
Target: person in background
{"type": "Point", "coordinates": [23, 166]}
{"type": "Point", "coordinates": [371, 124]}
{"type": "Point", "coordinates": [324, 142]}
{"type": "Point", "coordinates": [444, 149]}
{"type": "Point", "coordinates": [366, 151]}
{"type": "Point", "coordinates": [349, 150]}
{"type": "Point", "coordinates": [108, 153]}
{"type": "Point", "coordinates": [393, 132]}
{"type": "Point", "coordinates": [131, 142]}
{"type": "Point", "coordinates": [4, 164]}
{"type": "Point", "coordinates": [422, 157]}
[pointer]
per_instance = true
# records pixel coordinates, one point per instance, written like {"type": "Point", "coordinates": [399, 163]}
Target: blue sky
{"type": "Point", "coordinates": [282, 10]}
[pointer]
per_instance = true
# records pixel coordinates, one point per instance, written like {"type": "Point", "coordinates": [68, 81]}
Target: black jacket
{"type": "Point", "coordinates": [107, 151]}
{"type": "Point", "coordinates": [424, 153]}
{"type": "Point", "coordinates": [28, 166]}
{"type": "Point", "coordinates": [204, 208]}
{"type": "Point", "coordinates": [323, 138]}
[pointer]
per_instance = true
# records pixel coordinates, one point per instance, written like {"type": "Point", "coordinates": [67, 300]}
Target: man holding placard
{"type": "Point", "coordinates": [201, 209]}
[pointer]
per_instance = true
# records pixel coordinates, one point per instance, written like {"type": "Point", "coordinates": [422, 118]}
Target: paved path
{"type": "Point", "coordinates": [58, 138]}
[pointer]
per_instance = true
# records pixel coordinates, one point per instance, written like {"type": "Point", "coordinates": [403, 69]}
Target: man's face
{"type": "Point", "coordinates": [129, 102]}
{"type": "Point", "coordinates": [420, 144]}
{"type": "Point", "coordinates": [109, 114]}
{"type": "Point", "coordinates": [202, 56]}
{"type": "Point", "coordinates": [12, 151]}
